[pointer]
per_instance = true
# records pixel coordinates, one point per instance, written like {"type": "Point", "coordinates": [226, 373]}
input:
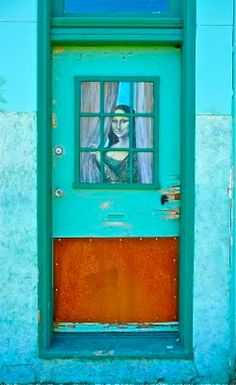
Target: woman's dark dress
{"type": "Point", "coordinates": [118, 171]}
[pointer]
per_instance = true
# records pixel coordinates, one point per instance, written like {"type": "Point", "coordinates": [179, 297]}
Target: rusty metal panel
{"type": "Point", "coordinates": [116, 280]}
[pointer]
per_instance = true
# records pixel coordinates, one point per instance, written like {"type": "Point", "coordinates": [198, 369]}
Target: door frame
{"type": "Point", "coordinates": [175, 33]}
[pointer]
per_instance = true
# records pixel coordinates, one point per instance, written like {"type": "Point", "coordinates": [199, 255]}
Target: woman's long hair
{"type": "Point", "coordinates": [112, 138]}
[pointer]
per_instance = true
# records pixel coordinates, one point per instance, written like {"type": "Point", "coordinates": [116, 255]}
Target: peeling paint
{"type": "Point", "coordinates": [92, 327]}
{"type": "Point", "coordinates": [105, 205]}
{"type": "Point", "coordinates": [104, 353]}
{"type": "Point", "coordinates": [117, 224]}
{"type": "Point", "coordinates": [125, 56]}
{"type": "Point", "coordinates": [84, 56]}
{"type": "Point", "coordinates": [173, 214]}
{"type": "Point", "coordinates": [54, 120]}
{"type": "Point", "coordinates": [170, 195]}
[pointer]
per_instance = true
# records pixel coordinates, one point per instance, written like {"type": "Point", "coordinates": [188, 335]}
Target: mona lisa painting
{"type": "Point", "coordinates": [116, 132]}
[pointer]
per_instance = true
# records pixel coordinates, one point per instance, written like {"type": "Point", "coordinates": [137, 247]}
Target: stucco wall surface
{"type": "Point", "coordinates": [212, 319]}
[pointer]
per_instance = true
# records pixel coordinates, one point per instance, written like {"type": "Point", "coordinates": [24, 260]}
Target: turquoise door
{"type": "Point", "coordinates": [127, 187]}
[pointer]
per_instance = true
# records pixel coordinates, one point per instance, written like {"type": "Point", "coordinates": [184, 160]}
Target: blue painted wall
{"type": "Point", "coordinates": [18, 42]}
{"type": "Point", "coordinates": [213, 331]}
{"type": "Point", "coordinates": [214, 268]}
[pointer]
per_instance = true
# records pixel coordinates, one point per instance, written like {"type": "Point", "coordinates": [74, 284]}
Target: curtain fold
{"type": "Point", "coordinates": [90, 102]}
{"type": "Point", "coordinates": [110, 102]}
{"type": "Point", "coordinates": [144, 131]}
{"type": "Point", "coordinates": [90, 128]}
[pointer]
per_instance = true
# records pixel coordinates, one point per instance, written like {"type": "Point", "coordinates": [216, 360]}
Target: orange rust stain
{"type": "Point", "coordinates": [58, 49]}
{"type": "Point", "coordinates": [116, 280]}
{"type": "Point", "coordinates": [176, 196]}
{"type": "Point", "coordinates": [172, 214]}
{"type": "Point", "coordinates": [54, 120]}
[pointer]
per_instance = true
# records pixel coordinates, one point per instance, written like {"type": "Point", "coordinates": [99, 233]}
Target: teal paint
{"type": "Point", "coordinates": [104, 327]}
{"type": "Point", "coordinates": [142, 211]}
{"type": "Point", "coordinates": [108, 371]}
{"type": "Point", "coordinates": [214, 70]}
{"type": "Point", "coordinates": [232, 193]}
{"type": "Point", "coordinates": [44, 177]}
{"type": "Point", "coordinates": [26, 12]}
{"type": "Point", "coordinates": [187, 177]}
{"type": "Point", "coordinates": [213, 332]}
{"type": "Point", "coordinates": [212, 315]}
{"type": "Point", "coordinates": [18, 66]}
{"type": "Point", "coordinates": [18, 242]}
{"type": "Point", "coordinates": [172, 33]}
{"type": "Point", "coordinates": [220, 15]}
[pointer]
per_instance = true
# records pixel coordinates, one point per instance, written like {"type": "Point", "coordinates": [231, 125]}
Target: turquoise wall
{"type": "Point", "coordinates": [213, 318]}
{"type": "Point", "coordinates": [214, 330]}
{"type": "Point", "coordinates": [18, 42]}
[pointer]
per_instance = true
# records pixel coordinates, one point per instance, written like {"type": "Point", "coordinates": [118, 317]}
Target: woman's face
{"type": "Point", "coordinates": [120, 124]}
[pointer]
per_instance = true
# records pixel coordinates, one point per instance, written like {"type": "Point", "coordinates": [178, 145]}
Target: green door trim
{"type": "Point", "coordinates": [112, 21]}
{"type": "Point", "coordinates": [187, 172]}
{"type": "Point", "coordinates": [116, 36]}
{"type": "Point", "coordinates": [232, 193]}
{"type": "Point", "coordinates": [160, 344]}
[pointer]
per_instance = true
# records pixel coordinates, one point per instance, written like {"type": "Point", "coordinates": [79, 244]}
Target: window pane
{"type": "Point", "coordinates": [111, 91]}
{"type": "Point", "coordinates": [117, 131]}
{"type": "Point", "coordinates": [143, 97]}
{"type": "Point", "coordinates": [144, 132]}
{"type": "Point", "coordinates": [83, 6]}
{"type": "Point", "coordinates": [90, 96]}
{"type": "Point", "coordinates": [90, 167]}
{"type": "Point", "coordinates": [116, 167]}
{"type": "Point", "coordinates": [143, 168]}
{"type": "Point", "coordinates": [89, 132]}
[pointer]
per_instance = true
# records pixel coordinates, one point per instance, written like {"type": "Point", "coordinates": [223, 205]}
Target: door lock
{"type": "Point", "coordinates": [58, 150]}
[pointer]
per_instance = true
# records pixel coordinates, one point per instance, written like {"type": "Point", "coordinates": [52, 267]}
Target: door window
{"type": "Point", "coordinates": [117, 131]}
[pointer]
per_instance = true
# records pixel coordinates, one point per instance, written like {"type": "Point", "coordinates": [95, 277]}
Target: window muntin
{"type": "Point", "coordinates": [116, 133]}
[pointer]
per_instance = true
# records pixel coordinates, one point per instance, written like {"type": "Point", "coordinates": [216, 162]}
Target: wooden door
{"type": "Point", "coordinates": [116, 151]}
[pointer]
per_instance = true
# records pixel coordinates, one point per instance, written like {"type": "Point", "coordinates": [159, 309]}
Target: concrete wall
{"type": "Point", "coordinates": [213, 331]}
{"type": "Point", "coordinates": [212, 315]}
